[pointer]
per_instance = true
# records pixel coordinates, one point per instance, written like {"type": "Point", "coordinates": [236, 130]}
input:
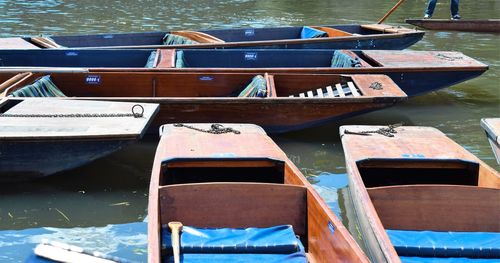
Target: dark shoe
{"type": "Point", "coordinates": [455, 17]}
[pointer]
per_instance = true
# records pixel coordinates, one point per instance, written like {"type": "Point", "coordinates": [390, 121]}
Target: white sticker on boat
{"type": "Point", "coordinates": [250, 56]}
{"type": "Point", "coordinates": [412, 155]}
{"type": "Point", "coordinates": [249, 32]}
{"type": "Point", "coordinates": [71, 53]}
{"type": "Point", "coordinates": [331, 227]}
{"type": "Point", "coordinates": [206, 78]}
{"type": "Point", "coordinates": [93, 79]}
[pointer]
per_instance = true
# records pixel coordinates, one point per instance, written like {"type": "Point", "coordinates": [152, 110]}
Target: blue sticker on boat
{"type": "Point", "coordinates": [223, 155]}
{"type": "Point", "coordinates": [108, 36]}
{"type": "Point", "coordinates": [71, 53]}
{"type": "Point", "coordinates": [249, 32]}
{"type": "Point", "coordinates": [250, 56]}
{"type": "Point", "coordinates": [93, 79]}
{"type": "Point", "coordinates": [331, 227]}
{"type": "Point", "coordinates": [412, 155]}
{"type": "Point", "coordinates": [206, 78]}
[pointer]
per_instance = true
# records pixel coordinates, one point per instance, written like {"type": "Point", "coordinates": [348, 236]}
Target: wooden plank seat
{"type": "Point", "coordinates": [338, 90]}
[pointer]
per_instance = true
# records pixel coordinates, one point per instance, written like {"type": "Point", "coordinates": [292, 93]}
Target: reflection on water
{"type": "Point", "coordinates": [114, 190]}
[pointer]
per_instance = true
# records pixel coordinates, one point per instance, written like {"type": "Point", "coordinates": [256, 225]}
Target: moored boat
{"type": "Point", "coordinates": [469, 25]}
{"type": "Point", "coordinates": [421, 197]}
{"type": "Point", "coordinates": [40, 137]}
{"type": "Point", "coordinates": [370, 36]}
{"type": "Point", "coordinates": [286, 102]}
{"type": "Point", "coordinates": [415, 72]}
{"type": "Point", "coordinates": [237, 197]}
{"type": "Point", "coordinates": [492, 128]}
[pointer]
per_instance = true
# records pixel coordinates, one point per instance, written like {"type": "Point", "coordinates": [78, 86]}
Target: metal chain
{"type": "Point", "coordinates": [135, 114]}
{"type": "Point", "coordinates": [388, 132]}
{"type": "Point", "coordinates": [450, 58]}
{"type": "Point", "coordinates": [214, 128]}
{"type": "Point", "coordinates": [376, 85]}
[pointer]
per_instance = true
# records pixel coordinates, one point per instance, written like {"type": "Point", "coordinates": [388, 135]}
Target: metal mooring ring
{"type": "Point", "coordinates": [138, 114]}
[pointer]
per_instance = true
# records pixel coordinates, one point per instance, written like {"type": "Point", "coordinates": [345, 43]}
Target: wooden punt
{"type": "Point", "coordinates": [492, 128]}
{"type": "Point", "coordinates": [415, 72]}
{"type": "Point", "coordinates": [32, 145]}
{"type": "Point", "coordinates": [238, 181]}
{"type": "Point", "coordinates": [370, 36]}
{"type": "Point", "coordinates": [213, 97]}
{"type": "Point", "coordinates": [421, 183]}
{"type": "Point", "coordinates": [469, 25]}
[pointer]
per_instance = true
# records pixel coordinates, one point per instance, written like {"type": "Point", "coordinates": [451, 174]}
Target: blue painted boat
{"type": "Point", "coordinates": [415, 72]}
{"type": "Point", "coordinates": [40, 137]}
{"type": "Point", "coordinates": [372, 36]}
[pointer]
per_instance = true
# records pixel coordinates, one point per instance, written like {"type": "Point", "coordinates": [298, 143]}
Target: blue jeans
{"type": "Point", "coordinates": [432, 4]}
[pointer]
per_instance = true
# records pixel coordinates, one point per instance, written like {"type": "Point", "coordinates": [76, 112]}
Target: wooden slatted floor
{"type": "Point", "coordinates": [340, 91]}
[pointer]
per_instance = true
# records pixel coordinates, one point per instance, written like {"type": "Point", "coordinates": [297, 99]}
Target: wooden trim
{"type": "Point", "coordinates": [332, 32]}
{"type": "Point", "coordinates": [220, 163]}
{"type": "Point", "coordinates": [199, 37]}
{"type": "Point", "coordinates": [45, 42]}
{"type": "Point", "coordinates": [13, 83]}
{"type": "Point", "coordinates": [271, 89]}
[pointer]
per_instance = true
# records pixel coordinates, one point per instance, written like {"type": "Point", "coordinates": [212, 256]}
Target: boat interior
{"type": "Point", "coordinates": [211, 36]}
{"type": "Point", "coordinates": [244, 85]}
{"type": "Point", "coordinates": [433, 208]}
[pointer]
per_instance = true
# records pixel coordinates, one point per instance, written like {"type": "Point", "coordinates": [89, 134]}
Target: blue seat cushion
{"type": "Point", "coordinates": [446, 260]}
{"type": "Point", "coordinates": [296, 257]}
{"type": "Point", "coordinates": [446, 244]}
{"type": "Point", "coordinates": [271, 240]}
{"type": "Point", "coordinates": [309, 32]}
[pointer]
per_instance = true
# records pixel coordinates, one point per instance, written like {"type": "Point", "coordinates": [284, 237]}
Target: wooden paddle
{"type": "Point", "coordinates": [390, 12]}
{"type": "Point", "coordinates": [175, 228]}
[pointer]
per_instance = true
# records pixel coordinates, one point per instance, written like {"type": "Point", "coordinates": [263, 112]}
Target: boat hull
{"type": "Point", "coordinates": [26, 160]}
{"type": "Point", "coordinates": [487, 25]}
{"type": "Point", "coordinates": [491, 126]}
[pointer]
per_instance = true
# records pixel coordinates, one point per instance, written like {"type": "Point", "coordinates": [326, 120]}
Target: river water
{"type": "Point", "coordinates": [113, 190]}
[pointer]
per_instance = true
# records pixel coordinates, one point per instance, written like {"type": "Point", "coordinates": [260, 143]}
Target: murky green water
{"type": "Point", "coordinates": [114, 190]}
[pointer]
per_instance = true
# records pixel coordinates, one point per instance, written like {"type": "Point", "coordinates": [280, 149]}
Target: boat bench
{"type": "Point", "coordinates": [483, 245]}
{"type": "Point", "coordinates": [272, 244]}
{"type": "Point", "coordinates": [264, 220]}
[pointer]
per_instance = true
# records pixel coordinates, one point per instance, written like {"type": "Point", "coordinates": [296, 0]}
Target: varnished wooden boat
{"type": "Point", "coordinates": [411, 189]}
{"type": "Point", "coordinates": [240, 179]}
{"type": "Point", "coordinates": [469, 25]}
{"type": "Point", "coordinates": [371, 36]}
{"type": "Point", "coordinates": [213, 97]}
{"type": "Point", "coordinates": [40, 137]}
{"type": "Point", "coordinates": [492, 128]}
{"type": "Point", "coordinates": [415, 72]}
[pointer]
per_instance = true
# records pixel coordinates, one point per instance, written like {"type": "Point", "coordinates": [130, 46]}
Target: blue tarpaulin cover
{"type": "Point", "coordinates": [271, 240]}
{"type": "Point", "coordinates": [446, 244]}
{"type": "Point", "coordinates": [298, 257]}
{"type": "Point", "coordinates": [309, 32]}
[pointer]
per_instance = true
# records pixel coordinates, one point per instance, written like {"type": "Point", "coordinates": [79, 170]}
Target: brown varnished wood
{"type": "Point", "coordinates": [470, 25]}
{"type": "Point", "coordinates": [240, 163]}
{"type": "Point", "coordinates": [438, 207]}
{"type": "Point", "coordinates": [387, 28]}
{"type": "Point", "coordinates": [13, 81]}
{"type": "Point", "coordinates": [199, 37]}
{"type": "Point", "coordinates": [191, 98]}
{"type": "Point", "coordinates": [234, 205]}
{"type": "Point", "coordinates": [332, 32]}
{"type": "Point", "coordinates": [407, 149]}
{"type": "Point", "coordinates": [321, 245]}
{"type": "Point", "coordinates": [166, 58]}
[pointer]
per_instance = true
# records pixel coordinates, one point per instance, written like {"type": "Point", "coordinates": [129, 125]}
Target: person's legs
{"type": "Point", "coordinates": [430, 7]}
{"type": "Point", "coordinates": [454, 8]}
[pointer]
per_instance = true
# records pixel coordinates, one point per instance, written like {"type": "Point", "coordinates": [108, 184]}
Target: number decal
{"type": "Point", "coordinates": [93, 79]}
{"type": "Point", "coordinates": [250, 56]}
